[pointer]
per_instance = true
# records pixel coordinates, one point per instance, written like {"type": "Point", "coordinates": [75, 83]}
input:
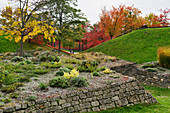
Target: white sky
{"type": "Point", "coordinates": [92, 8]}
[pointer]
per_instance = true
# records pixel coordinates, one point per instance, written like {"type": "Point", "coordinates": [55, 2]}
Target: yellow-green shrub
{"type": "Point", "coordinates": [164, 56]}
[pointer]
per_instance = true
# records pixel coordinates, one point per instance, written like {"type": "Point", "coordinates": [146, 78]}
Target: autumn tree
{"type": "Point", "coordinates": [120, 19]}
{"type": "Point", "coordinates": [112, 21]}
{"type": "Point", "coordinates": [152, 20]}
{"type": "Point", "coordinates": [21, 24]}
{"type": "Point", "coordinates": [94, 36]}
{"type": "Point", "coordinates": [164, 19]}
{"type": "Point", "coordinates": [132, 19]}
{"type": "Point", "coordinates": [65, 14]}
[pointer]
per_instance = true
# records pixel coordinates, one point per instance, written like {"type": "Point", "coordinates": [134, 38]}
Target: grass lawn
{"type": "Point", "coordinates": [11, 46]}
{"type": "Point", "coordinates": [138, 46]}
{"type": "Point", "coordinates": [162, 95]}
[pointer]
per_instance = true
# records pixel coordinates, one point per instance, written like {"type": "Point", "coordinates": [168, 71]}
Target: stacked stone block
{"type": "Point", "coordinates": [126, 93]}
{"type": "Point", "coordinates": [144, 76]}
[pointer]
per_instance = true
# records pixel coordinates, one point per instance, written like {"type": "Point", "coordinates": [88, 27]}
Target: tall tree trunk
{"type": "Point", "coordinates": [82, 47]}
{"type": "Point", "coordinates": [79, 45]}
{"type": "Point", "coordinates": [54, 44]}
{"type": "Point", "coordinates": [59, 46]}
{"type": "Point", "coordinates": [73, 47]}
{"type": "Point", "coordinates": [21, 46]}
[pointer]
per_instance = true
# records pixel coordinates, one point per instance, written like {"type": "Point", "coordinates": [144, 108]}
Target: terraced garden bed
{"type": "Point", "coordinates": [41, 77]}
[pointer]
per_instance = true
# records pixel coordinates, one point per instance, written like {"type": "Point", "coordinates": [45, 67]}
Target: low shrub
{"type": "Point", "coordinates": [86, 69]}
{"type": "Point", "coordinates": [31, 75]}
{"type": "Point", "coordinates": [114, 76]}
{"type": "Point", "coordinates": [24, 79]}
{"type": "Point", "coordinates": [5, 100]}
{"type": "Point", "coordinates": [78, 81]}
{"type": "Point", "coordinates": [107, 71]}
{"type": "Point", "coordinates": [14, 95]}
{"type": "Point", "coordinates": [69, 66]}
{"type": "Point", "coordinates": [40, 49]}
{"type": "Point", "coordinates": [36, 53]}
{"type": "Point", "coordinates": [149, 64]}
{"type": "Point", "coordinates": [59, 81]}
{"type": "Point", "coordinates": [42, 86]}
{"type": "Point", "coordinates": [17, 59]}
{"type": "Point", "coordinates": [10, 79]}
{"type": "Point", "coordinates": [53, 58]}
{"type": "Point", "coordinates": [51, 64]}
{"type": "Point", "coordinates": [22, 63]}
{"type": "Point", "coordinates": [9, 88]}
{"type": "Point", "coordinates": [59, 73]}
{"type": "Point", "coordinates": [81, 68]}
{"type": "Point", "coordinates": [88, 63]}
{"type": "Point", "coordinates": [18, 70]}
{"type": "Point", "coordinates": [27, 55]}
{"type": "Point", "coordinates": [152, 69]}
{"type": "Point", "coordinates": [64, 69]}
{"type": "Point", "coordinates": [47, 56]}
{"type": "Point", "coordinates": [101, 68]}
{"type": "Point", "coordinates": [18, 84]}
{"type": "Point", "coordinates": [73, 73]}
{"type": "Point", "coordinates": [163, 54]}
{"type": "Point", "coordinates": [95, 73]}
{"type": "Point", "coordinates": [28, 61]}
{"type": "Point", "coordinates": [31, 98]}
{"type": "Point", "coordinates": [29, 67]}
{"type": "Point", "coordinates": [97, 53]}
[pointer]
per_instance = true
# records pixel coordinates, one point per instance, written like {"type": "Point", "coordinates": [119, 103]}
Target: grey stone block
{"type": "Point", "coordinates": [95, 109]}
{"type": "Point", "coordinates": [115, 98]}
{"type": "Point", "coordinates": [62, 102]}
{"type": "Point", "coordinates": [95, 103]}
{"type": "Point", "coordinates": [54, 103]}
{"type": "Point", "coordinates": [66, 105]}
{"type": "Point", "coordinates": [70, 109]}
{"type": "Point", "coordinates": [75, 102]}
{"type": "Point", "coordinates": [85, 105]}
{"type": "Point", "coordinates": [77, 108]}
{"type": "Point", "coordinates": [17, 107]}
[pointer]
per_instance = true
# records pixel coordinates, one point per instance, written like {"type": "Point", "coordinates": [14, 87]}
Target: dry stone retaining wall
{"type": "Point", "coordinates": [125, 93]}
{"type": "Point", "coordinates": [144, 76]}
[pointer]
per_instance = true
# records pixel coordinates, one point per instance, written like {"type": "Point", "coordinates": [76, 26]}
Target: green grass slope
{"type": "Point", "coordinates": [138, 46]}
{"type": "Point", "coordinates": [10, 46]}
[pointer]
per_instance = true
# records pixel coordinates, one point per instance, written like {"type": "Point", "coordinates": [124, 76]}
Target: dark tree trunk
{"type": "Point", "coordinates": [21, 46]}
{"type": "Point", "coordinates": [54, 44]}
{"type": "Point", "coordinates": [79, 45]}
{"type": "Point", "coordinates": [59, 46]}
{"type": "Point", "coordinates": [73, 47]}
{"type": "Point", "coordinates": [82, 47]}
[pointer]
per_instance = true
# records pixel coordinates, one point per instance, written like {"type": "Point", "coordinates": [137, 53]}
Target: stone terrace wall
{"type": "Point", "coordinates": [129, 92]}
{"type": "Point", "coordinates": [144, 76]}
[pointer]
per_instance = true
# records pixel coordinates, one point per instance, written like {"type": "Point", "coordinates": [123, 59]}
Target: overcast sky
{"type": "Point", "coordinates": [92, 8]}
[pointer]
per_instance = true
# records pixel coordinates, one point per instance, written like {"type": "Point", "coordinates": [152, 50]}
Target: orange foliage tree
{"type": "Point", "coordinates": [152, 20]}
{"type": "Point", "coordinates": [164, 19]}
{"type": "Point", "coordinates": [121, 19]}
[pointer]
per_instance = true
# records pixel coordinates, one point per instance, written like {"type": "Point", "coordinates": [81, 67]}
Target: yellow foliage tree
{"type": "Point", "coordinates": [21, 24]}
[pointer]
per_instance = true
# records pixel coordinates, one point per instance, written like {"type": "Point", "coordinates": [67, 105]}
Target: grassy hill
{"type": "Point", "coordinates": [11, 46]}
{"type": "Point", "coordinates": [138, 46]}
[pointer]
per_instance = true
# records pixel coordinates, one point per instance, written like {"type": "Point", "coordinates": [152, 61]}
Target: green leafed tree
{"type": "Point", "coordinates": [65, 14]}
